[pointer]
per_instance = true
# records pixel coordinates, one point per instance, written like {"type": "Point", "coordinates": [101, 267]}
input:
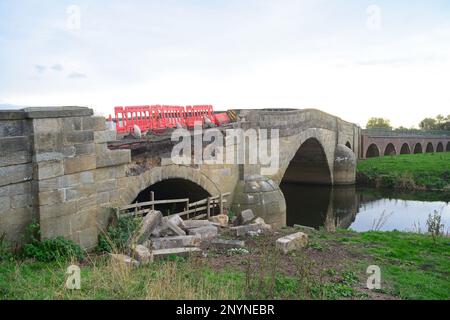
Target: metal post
{"type": "Point", "coordinates": [152, 198]}
{"type": "Point", "coordinates": [221, 203]}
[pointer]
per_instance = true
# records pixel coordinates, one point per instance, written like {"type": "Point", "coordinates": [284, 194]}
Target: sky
{"type": "Point", "coordinates": [355, 59]}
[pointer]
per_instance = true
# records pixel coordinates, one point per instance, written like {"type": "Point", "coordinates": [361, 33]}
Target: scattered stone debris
{"type": "Point", "coordinates": [149, 223]}
{"type": "Point", "coordinates": [122, 260]}
{"type": "Point", "coordinates": [181, 252]}
{"type": "Point", "coordinates": [221, 219]}
{"type": "Point", "coordinates": [246, 216]}
{"type": "Point", "coordinates": [173, 242]}
{"type": "Point", "coordinates": [223, 244]}
{"type": "Point", "coordinates": [235, 251]}
{"type": "Point", "coordinates": [191, 224]}
{"type": "Point", "coordinates": [143, 254]}
{"type": "Point", "coordinates": [250, 229]}
{"type": "Point", "coordinates": [206, 232]}
{"type": "Point", "coordinates": [292, 242]}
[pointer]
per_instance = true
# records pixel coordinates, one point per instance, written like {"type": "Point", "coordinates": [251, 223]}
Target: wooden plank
{"type": "Point", "coordinates": [149, 203]}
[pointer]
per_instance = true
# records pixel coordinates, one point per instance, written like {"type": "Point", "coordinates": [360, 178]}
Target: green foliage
{"type": "Point", "coordinates": [118, 236]}
{"type": "Point", "coordinates": [5, 249]}
{"type": "Point", "coordinates": [57, 249]}
{"type": "Point", "coordinates": [406, 172]}
{"type": "Point", "coordinates": [434, 225]}
{"type": "Point", "coordinates": [376, 123]}
{"type": "Point", "coordinates": [438, 123]}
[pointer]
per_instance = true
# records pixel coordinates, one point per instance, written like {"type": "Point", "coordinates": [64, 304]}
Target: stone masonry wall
{"type": "Point", "coordinates": [71, 174]}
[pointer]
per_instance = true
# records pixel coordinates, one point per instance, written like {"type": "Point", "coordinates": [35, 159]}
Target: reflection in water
{"type": "Point", "coordinates": [362, 209]}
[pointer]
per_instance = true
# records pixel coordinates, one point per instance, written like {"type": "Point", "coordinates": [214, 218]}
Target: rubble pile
{"type": "Point", "coordinates": [160, 237]}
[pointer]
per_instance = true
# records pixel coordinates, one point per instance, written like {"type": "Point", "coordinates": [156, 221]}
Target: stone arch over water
{"type": "Point", "coordinates": [390, 150]}
{"type": "Point", "coordinates": [418, 148]}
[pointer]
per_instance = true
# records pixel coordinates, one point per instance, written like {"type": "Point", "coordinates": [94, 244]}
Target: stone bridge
{"type": "Point", "coordinates": [62, 168]}
{"type": "Point", "coordinates": [388, 143]}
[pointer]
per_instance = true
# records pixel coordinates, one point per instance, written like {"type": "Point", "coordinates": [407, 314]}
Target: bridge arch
{"type": "Point", "coordinates": [448, 146]}
{"type": "Point", "coordinates": [373, 151]}
{"type": "Point", "coordinates": [405, 149]}
{"type": "Point", "coordinates": [309, 164]}
{"type": "Point", "coordinates": [429, 148]}
{"type": "Point", "coordinates": [440, 147]}
{"type": "Point", "coordinates": [186, 178]}
{"type": "Point", "coordinates": [348, 145]}
{"type": "Point", "coordinates": [418, 148]}
{"type": "Point", "coordinates": [390, 150]}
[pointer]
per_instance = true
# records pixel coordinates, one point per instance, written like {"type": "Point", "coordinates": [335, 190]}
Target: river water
{"type": "Point", "coordinates": [363, 209]}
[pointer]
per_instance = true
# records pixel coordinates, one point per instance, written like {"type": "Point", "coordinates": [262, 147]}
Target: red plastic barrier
{"type": "Point", "coordinates": [221, 119]}
{"type": "Point", "coordinates": [159, 117]}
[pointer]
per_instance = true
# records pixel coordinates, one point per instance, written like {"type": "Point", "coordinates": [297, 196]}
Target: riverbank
{"type": "Point", "coordinates": [427, 171]}
{"type": "Point", "coordinates": [333, 266]}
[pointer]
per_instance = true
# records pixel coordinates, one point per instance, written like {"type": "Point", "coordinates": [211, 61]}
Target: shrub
{"type": "Point", "coordinates": [5, 249]}
{"type": "Point", "coordinates": [57, 249]}
{"type": "Point", "coordinates": [435, 227]}
{"type": "Point", "coordinates": [117, 237]}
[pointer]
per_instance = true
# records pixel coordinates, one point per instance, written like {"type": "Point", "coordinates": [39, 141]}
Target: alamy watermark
{"type": "Point", "coordinates": [237, 146]}
{"type": "Point", "coordinates": [374, 280]}
{"type": "Point", "coordinates": [73, 281]}
{"type": "Point", "coordinates": [73, 21]}
{"type": "Point", "coordinates": [374, 18]}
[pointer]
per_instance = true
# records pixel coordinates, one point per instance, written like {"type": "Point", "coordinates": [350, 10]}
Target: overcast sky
{"type": "Point", "coordinates": [352, 58]}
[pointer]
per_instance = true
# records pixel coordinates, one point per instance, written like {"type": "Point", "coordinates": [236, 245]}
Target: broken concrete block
{"type": "Point", "coordinates": [246, 216]}
{"type": "Point", "coordinates": [181, 252]}
{"type": "Point", "coordinates": [176, 220]}
{"type": "Point", "coordinates": [175, 228]}
{"type": "Point", "coordinates": [191, 224]}
{"type": "Point", "coordinates": [259, 220]}
{"type": "Point", "coordinates": [221, 220]}
{"type": "Point", "coordinates": [224, 244]}
{"type": "Point", "coordinates": [123, 260]}
{"type": "Point", "coordinates": [292, 242]}
{"type": "Point", "coordinates": [205, 232]}
{"type": "Point", "coordinates": [254, 227]}
{"type": "Point", "coordinates": [173, 242]}
{"type": "Point", "coordinates": [143, 254]}
{"type": "Point", "coordinates": [149, 223]}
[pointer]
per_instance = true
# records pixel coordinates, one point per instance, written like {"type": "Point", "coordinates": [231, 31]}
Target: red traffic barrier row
{"type": "Point", "coordinates": [158, 118]}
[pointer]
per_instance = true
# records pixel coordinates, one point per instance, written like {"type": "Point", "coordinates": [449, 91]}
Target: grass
{"type": "Point", "coordinates": [333, 266]}
{"type": "Point", "coordinates": [413, 265]}
{"type": "Point", "coordinates": [409, 171]}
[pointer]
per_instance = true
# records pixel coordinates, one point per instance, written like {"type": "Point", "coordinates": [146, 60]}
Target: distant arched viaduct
{"type": "Point", "coordinates": [376, 145]}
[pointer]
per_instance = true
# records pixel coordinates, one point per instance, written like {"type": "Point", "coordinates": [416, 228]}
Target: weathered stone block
{"type": "Point", "coordinates": [80, 192]}
{"type": "Point", "coordinates": [172, 226]}
{"type": "Point", "coordinates": [88, 238]}
{"type": "Point", "coordinates": [173, 242]}
{"type": "Point", "coordinates": [15, 174]}
{"type": "Point", "coordinates": [57, 210]}
{"type": "Point", "coordinates": [87, 203]}
{"type": "Point", "coordinates": [149, 223]}
{"type": "Point", "coordinates": [86, 148]}
{"type": "Point", "coordinates": [48, 169]}
{"type": "Point", "coordinates": [142, 254]}
{"type": "Point", "coordinates": [181, 252]}
{"type": "Point", "coordinates": [75, 137]}
{"type": "Point", "coordinates": [292, 242]}
{"type": "Point", "coordinates": [13, 128]}
{"type": "Point", "coordinates": [104, 136]}
{"type": "Point", "coordinates": [113, 158]}
{"type": "Point", "coordinates": [14, 144]}
{"type": "Point", "coordinates": [206, 232]}
{"type": "Point", "coordinates": [191, 224]}
{"type": "Point", "coordinates": [21, 200]}
{"type": "Point", "coordinates": [224, 244]}
{"type": "Point", "coordinates": [79, 163]}
{"type": "Point", "coordinates": [15, 158]}
{"type": "Point", "coordinates": [5, 204]}
{"type": "Point", "coordinates": [106, 185]}
{"type": "Point", "coordinates": [246, 216]}
{"type": "Point", "coordinates": [250, 228]}
{"type": "Point", "coordinates": [48, 142]}
{"type": "Point", "coordinates": [93, 123]}
{"type": "Point", "coordinates": [221, 219]}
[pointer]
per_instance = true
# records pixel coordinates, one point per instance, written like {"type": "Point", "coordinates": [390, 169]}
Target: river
{"type": "Point", "coordinates": [363, 209]}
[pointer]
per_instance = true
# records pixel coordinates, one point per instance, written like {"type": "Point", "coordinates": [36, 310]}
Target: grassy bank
{"type": "Point", "coordinates": [407, 172]}
{"type": "Point", "coordinates": [331, 267]}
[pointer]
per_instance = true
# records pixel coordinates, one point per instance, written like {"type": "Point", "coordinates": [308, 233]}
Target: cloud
{"type": "Point", "coordinates": [57, 67]}
{"type": "Point", "coordinates": [76, 75]}
{"type": "Point", "coordinates": [40, 68]}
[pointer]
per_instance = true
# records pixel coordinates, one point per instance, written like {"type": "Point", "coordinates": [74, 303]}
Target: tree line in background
{"type": "Point", "coordinates": [438, 123]}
